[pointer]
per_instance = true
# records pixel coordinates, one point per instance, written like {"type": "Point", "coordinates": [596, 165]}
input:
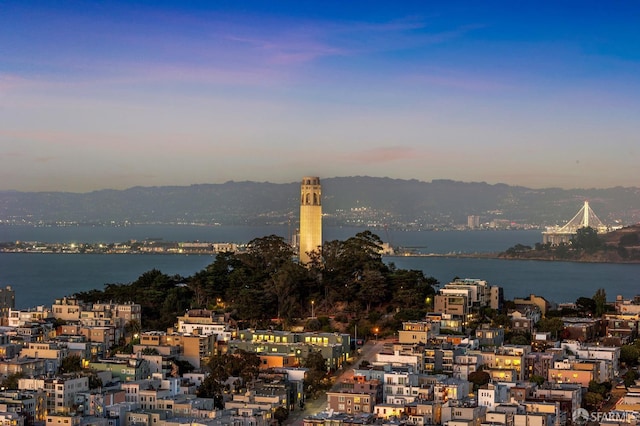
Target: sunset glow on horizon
{"type": "Point", "coordinates": [119, 94]}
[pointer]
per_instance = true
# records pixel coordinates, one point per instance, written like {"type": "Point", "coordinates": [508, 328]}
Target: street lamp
{"type": "Point", "coordinates": [313, 302]}
{"type": "Point", "coordinates": [375, 333]}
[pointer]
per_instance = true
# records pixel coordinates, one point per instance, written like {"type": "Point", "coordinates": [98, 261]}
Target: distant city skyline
{"type": "Point", "coordinates": [98, 95]}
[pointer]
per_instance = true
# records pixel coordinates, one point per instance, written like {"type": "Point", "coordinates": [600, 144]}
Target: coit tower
{"type": "Point", "coordinates": [310, 217]}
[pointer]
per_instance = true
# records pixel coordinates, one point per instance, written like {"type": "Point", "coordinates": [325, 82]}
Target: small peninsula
{"type": "Point", "coordinates": [619, 246]}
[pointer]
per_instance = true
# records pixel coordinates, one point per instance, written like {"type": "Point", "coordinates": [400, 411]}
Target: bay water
{"type": "Point", "coordinates": [38, 279]}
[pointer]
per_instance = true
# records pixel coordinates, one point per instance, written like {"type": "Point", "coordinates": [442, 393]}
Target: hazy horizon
{"type": "Point", "coordinates": [113, 95]}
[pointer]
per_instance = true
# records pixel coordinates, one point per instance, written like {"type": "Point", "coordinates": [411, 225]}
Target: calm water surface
{"type": "Point", "coordinates": [40, 278]}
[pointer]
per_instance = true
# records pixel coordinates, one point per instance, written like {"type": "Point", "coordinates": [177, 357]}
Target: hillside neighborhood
{"type": "Point", "coordinates": [473, 360]}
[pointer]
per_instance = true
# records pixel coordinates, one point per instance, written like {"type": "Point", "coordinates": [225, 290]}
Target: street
{"type": "Point", "coordinates": [368, 352]}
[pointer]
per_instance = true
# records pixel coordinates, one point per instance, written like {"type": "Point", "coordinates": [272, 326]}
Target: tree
{"type": "Point", "coordinates": [587, 239]}
{"type": "Point", "coordinates": [600, 302]}
{"type": "Point", "coordinates": [372, 288]}
{"type": "Point", "coordinates": [593, 400]}
{"type": "Point", "coordinates": [629, 355]}
{"type": "Point", "coordinates": [70, 364]}
{"type": "Point", "coordinates": [553, 325]}
{"type": "Point", "coordinates": [630, 377]}
{"type": "Point", "coordinates": [180, 367]}
{"type": "Point", "coordinates": [537, 379]}
{"type": "Point", "coordinates": [520, 339]}
{"type": "Point", "coordinates": [586, 306]}
{"type": "Point", "coordinates": [602, 388]}
{"type": "Point", "coordinates": [220, 367]}
{"type": "Point", "coordinates": [133, 327]}
{"type": "Point", "coordinates": [11, 381]}
{"type": "Point", "coordinates": [317, 366]}
{"type": "Point", "coordinates": [501, 320]}
{"type": "Point", "coordinates": [479, 378]}
{"type": "Point", "coordinates": [629, 240]}
{"type": "Point", "coordinates": [281, 414]}
{"type": "Point", "coordinates": [95, 382]}
{"type": "Point", "coordinates": [410, 289]}
{"type": "Point", "coordinates": [284, 284]}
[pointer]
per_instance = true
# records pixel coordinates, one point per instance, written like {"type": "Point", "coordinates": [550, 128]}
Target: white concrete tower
{"type": "Point", "coordinates": [310, 217]}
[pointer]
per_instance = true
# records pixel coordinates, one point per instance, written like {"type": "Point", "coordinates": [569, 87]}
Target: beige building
{"type": "Point", "coordinates": [47, 350]}
{"type": "Point", "coordinates": [310, 217]}
{"type": "Point", "coordinates": [63, 420]}
{"type": "Point", "coordinates": [68, 309]}
{"type": "Point", "coordinates": [351, 402]}
{"type": "Point", "coordinates": [414, 332]}
{"type": "Point", "coordinates": [573, 371]}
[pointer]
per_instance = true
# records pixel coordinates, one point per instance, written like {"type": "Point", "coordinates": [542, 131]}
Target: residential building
{"type": "Point", "coordinates": [7, 301]}
{"type": "Point", "coordinates": [414, 332]}
{"type": "Point", "coordinates": [543, 304]}
{"type": "Point", "coordinates": [125, 369]}
{"type": "Point", "coordinates": [492, 394]}
{"type": "Point", "coordinates": [352, 402]}
{"type": "Point", "coordinates": [574, 371]}
{"type": "Point", "coordinates": [538, 364]}
{"type": "Point", "coordinates": [204, 322]}
{"type": "Point", "coordinates": [68, 309]}
{"type": "Point", "coordinates": [490, 336]}
{"type": "Point", "coordinates": [60, 391]}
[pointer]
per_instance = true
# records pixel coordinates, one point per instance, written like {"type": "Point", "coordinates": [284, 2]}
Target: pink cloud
{"type": "Point", "coordinates": [382, 155]}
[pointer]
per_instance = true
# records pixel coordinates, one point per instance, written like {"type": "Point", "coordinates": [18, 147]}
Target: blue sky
{"type": "Point", "coordinates": [106, 94]}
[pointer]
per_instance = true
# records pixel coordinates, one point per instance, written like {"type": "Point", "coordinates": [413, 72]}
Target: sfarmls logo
{"type": "Point", "coordinates": [582, 416]}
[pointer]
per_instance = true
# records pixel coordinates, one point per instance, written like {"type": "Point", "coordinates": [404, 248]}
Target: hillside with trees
{"type": "Point", "coordinates": [265, 286]}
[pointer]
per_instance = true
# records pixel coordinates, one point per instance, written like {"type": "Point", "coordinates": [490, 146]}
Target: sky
{"type": "Point", "coordinates": [110, 95]}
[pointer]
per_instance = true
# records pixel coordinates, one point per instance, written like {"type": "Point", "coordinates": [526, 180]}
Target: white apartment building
{"type": "Point", "coordinates": [492, 395]}
{"type": "Point", "coordinates": [400, 386]}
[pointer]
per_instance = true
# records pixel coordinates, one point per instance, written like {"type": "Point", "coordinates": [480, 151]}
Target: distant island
{"type": "Point", "coordinates": [619, 246]}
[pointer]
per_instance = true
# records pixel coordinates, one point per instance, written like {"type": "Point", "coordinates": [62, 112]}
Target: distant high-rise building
{"type": "Point", "coordinates": [7, 301]}
{"type": "Point", "coordinates": [473, 221]}
{"type": "Point", "coordinates": [310, 217]}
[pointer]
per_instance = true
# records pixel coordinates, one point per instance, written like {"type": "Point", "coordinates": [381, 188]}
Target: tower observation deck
{"type": "Point", "coordinates": [584, 218]}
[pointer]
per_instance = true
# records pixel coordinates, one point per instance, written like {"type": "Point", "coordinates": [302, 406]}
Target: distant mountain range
{"type": "Point", "coordinates": [346, 201]}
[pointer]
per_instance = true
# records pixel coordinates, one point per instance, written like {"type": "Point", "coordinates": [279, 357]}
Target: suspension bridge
{"type": "Point", "coordinates": [584, 218]}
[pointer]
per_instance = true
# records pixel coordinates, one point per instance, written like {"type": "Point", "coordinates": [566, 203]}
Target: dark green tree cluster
{"type": "Point", "coordinates": [596, 394]}
{"type": "Point", "coordinates": [241, 364]}
{"type": "Point", "coordinates": [262, 283]}
{"type": "Point", "coordinates": [161, 296]}
{"type": "Point", "coordinates": [315, 379]}
{"type": "Point", "coordinates": [353, 271]}
{"type": "Point", "coordinates": [479, 378]}
{"type": "Point", "coordinates": [266, 282]}
{"type": "Point", "coordinates": [587, 239]}
{"type": "Point", "coordinates": [630, 354]}
{"type": "Point", "coordinates": [70, 364]}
